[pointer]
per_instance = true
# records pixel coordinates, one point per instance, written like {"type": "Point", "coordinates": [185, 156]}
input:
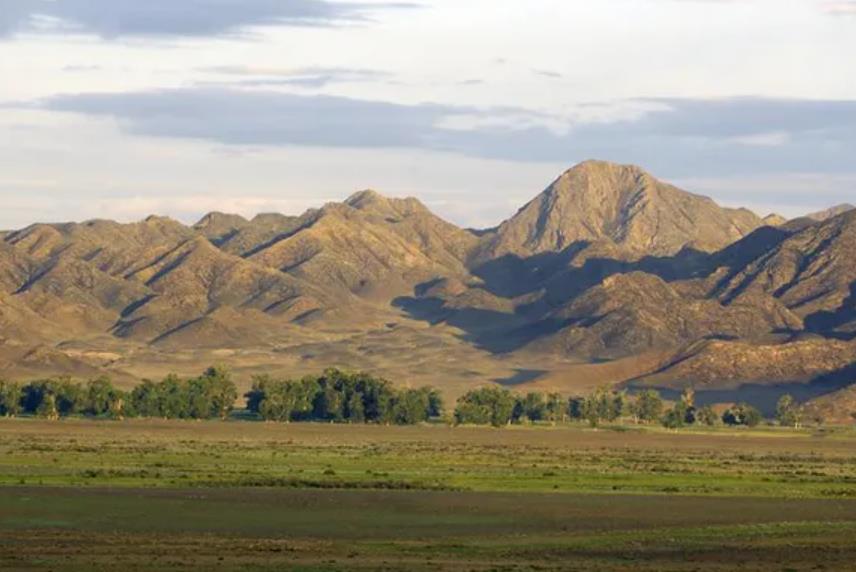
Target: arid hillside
{"type": "Point", "coordinates": [609, 276]}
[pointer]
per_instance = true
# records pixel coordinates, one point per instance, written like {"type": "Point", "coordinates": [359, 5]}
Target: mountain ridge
{"type": "Point", "coordinates": [605, 264]}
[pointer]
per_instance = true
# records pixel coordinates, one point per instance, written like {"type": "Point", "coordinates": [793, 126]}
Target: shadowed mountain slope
{"type": "Point", "coordinates": [812, 273]}
{"type": "Point", "coordinates": [607, 264]}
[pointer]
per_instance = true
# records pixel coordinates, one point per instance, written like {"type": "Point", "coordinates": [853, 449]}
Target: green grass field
{"type": "Point", "coordinates": [152, 495]}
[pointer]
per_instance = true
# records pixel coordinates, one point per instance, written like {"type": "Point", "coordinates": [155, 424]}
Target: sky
{"type": "Point", "coordinates": [120, 108]}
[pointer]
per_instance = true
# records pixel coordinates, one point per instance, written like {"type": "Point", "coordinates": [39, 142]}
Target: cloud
{"type": "Point", "coordinates": [840, 8]}
{"type": "Point", "coordinates": [310, 77]}
{"type": "Point", "coordinates": [773, 139]}
{"type": "Point", "coordinates": [547, 73]}
{"type": "Point", "coordinates": [81, 68]}
{"type": "Point", "coordinates": [790, 194]}
{"type": "Point", "coordinates": [261, 117]}
{"type": "Point", "coordinates": [191, 18]}
{"type": "Point", "coordinates": [740, 116]}
{"type": "Point", "coordinates": [680, 136]}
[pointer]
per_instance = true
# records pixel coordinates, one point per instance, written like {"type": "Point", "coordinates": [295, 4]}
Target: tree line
{"type": "Point", "coordinates": [498, 407]}
{"type": "Point", "coordinates": [212, 395]}
{"type": "Point", "coordinates": [333, 396]}
{"type": "Point", "coordinates": [342, 397]}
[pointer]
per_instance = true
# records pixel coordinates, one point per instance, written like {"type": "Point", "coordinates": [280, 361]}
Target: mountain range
{"type": "Point", "coordinates": [609, 276]}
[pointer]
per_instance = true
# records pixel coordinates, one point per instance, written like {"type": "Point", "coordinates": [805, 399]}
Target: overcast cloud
{"type": "Point", "coordinates": [684, 136]}
{"type": "Point", "coordinates": [121, 18]}
{"type": "Point", "coordinates": [115, 107]}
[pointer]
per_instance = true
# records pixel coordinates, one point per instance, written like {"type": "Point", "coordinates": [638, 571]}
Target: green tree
{"type": "Point", "coordinates": [619, 406]}
{"type": "Point", "coordinates": [101, 398]}
{"type": "Point", "coordinates": [356, 409]}
{"type": "Point", "coordinates": [70, 397]}
{"type": "Point", "coordinates": [575, 408]}
{"type": "Point", "coordinates": [378, 398]}
{"type": "Point", "coordinates": [145, 400]}
{"type": "Point", "coordinates": [555, 408]}
{"type": "Point", "coordinates": [274, 408]}
{"type": "Point", "coordinates": [11, 395]}
{"type": "Point", "coordinates": [471, 412]}
{"type": "Point", "coordinates": [301, 396]}
{"type": "Point", "coordinates": [199, 401]}
{"type": "Point", "coordinates": [675, 418]}
{"type": "Point", "coordinates": [752, 417]}
{"type": "Point", "coordinates": [173, 398]}
{"type": "Point", "coordinates": [486, 405]}
{"type": "Point", "coordinates": [742, 414]}
{"type": "Point", "coordinates": [221, 391]}
{"type": "Point", "coordinates": [590, 411]}
{"type": "Point", "coordinates": [261, 385]}
{"type": "Point", "coordinates": [531, 407]}
{"type": "Point", "coordinates": [648, 406]}
{"type": "Point", "coordinates": [117, 406]}
{"type": "Point", "coordinates": [502, 408]}
{"type": "Point", "coordinates": [34, 393]}
{"type": "Point", "coordinates": [602, 405]}
{"type": "Point", "coordinates": [436, 407]}
{"type": "Point", "coordinates": [788, 412]}
{"type": "Point", "coordinates": [66, 397]}
{"type": "Point", "coordinates": [411, 406]}
{"type": "Point", "coordinates": [706, 416]}
{"type": "Point", "coordinates": [47, 407]}
{"type": "Point", "coordinates": [688, 405]}
{"type": "Point", "coordinates": [329, 404]}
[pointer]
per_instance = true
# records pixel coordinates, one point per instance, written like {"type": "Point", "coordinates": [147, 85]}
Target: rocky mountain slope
{"type": "Point", "coordinates": [622, 204]}
{"type": "Point", "coordinates": [606, 264]}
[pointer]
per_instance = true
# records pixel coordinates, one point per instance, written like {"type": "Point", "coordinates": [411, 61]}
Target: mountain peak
{"type": "Point", "coordinates": [216, 218]}
{"type": "Point", "coordinates": [601, 179]}
{"type": "Point", "coordinates": [162, 223]}
{"type": "Point", "coordinates": [774, 219]}
{"type": "Point", "coordinates": [373, 203]}
{"type": "Point", "coordinates": [600, 166]}
{"type": "Point", "coordinates": [598, 200]}
{"type": "Point", "coordinates": [364, 198]}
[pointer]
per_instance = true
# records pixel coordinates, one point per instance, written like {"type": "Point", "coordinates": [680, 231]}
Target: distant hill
{"type": "Point", "coordinates": [607, 263]}
{"type": "Point", "coordinates": [831, 212]}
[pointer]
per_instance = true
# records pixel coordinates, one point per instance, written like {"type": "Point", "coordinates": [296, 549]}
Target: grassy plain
{"type": "Point", "coordinates": [85, 495]}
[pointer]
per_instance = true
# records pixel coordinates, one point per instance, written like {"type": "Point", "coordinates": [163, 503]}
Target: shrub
{"type": "Point", "coordinates": [742, 414]}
